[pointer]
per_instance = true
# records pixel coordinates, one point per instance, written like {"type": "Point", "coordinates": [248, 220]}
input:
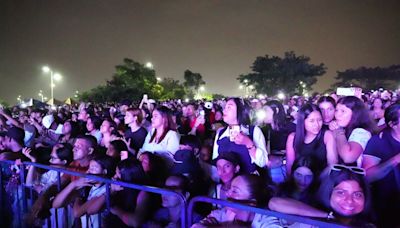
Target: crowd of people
{"type": "Point", "coordinates": [330, 157]}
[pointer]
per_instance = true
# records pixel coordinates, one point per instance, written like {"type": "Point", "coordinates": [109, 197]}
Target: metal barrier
{"type": "Point", "coordinates": [108, 182]}
{"type": "Point", "coordinates": [186, 215]}
{"type": "Point", "coordinates": [292, 218]}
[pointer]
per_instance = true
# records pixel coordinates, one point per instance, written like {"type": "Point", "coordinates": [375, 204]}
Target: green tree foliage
{"type": "Point", "coordinates": [130, 81]}
{"type": "Point", "coordinates": [369, 78]}
{"type": "Point", "coordinates": [171, 89]}
{"type": "Point", "coordinates": [3, 104]}
{"type": "Point", "coordinates": [272, 74]}
{"type": "Point", "coordinates": [192, 82]}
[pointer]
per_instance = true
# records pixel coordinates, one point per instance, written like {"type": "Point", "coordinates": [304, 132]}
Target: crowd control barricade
{"type": "Point", "coordinates": [23, 189]}
{"type": "Point", "coordinates": [292, 218]}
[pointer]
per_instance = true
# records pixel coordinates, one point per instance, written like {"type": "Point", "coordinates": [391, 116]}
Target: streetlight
{"type": "Point", "coordinates": [41, 95]}
{"type": "Point", "coordinates": [76, 94]}
{"type": "Point", "coordinates": [149, 65]}
{"type": "Point", "coordinates": [53, 76]}
{"type": "Point", "coordinates": [159, 79]}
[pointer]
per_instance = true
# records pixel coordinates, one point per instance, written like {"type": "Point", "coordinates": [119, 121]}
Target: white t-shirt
{"type": "Point", "coordinates": [166, 148]}
{"type": "Point", "coordinates": [259, 221]}
{"type": "Point", "coordinates": [360, 136]}
{"type": "Point", "coordinates": [91, 221]}
{"type": "Point", "coordinates": [261, 156]}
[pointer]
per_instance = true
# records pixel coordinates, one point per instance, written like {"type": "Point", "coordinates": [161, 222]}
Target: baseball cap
{"type": "Point", "coordinates": [229, 156]}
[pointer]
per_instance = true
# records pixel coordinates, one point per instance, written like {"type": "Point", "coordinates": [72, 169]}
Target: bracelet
{"type": "Point", "coordinates": [330, 215]}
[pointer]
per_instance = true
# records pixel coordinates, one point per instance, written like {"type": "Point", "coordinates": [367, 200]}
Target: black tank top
{"type": "Point", "coordinates": [315, 149]}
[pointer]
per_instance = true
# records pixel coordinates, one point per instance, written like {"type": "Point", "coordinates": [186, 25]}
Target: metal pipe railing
{"type": "Point", "coordinates": [292, 218]}
{"type": "Point", "coordinates": [108, 182]}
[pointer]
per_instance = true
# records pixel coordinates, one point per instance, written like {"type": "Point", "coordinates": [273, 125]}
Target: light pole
{"type": "Point", "coordinates": [53, 76]}
{"type": "Point", "coordinates": [41, 95]}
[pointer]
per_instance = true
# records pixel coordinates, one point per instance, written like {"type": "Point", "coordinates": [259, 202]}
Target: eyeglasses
{"type": "Point", "coordinates": [353, 169]}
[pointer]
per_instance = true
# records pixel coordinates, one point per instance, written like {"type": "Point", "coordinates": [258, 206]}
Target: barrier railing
{"type": "Point", "coordinates": [186, 215]}
{"type": "Point", "coordinates": [291, 218]}
{"type": "Point", "coordinates": [108, 182]}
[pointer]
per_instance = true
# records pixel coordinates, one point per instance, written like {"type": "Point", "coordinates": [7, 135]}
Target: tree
{"type": "Point", "coordinates": [291, 74]}
{"type": "Point", "coordinates": [369, 78]}
{"type": "Point", "coordinates": [130, 81]}
{"type": "Point", "coordinates": [171, 89]}
{"type": "Point", "coordinates": [192, 83]}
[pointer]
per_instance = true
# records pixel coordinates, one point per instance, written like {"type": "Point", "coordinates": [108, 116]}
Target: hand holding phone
{"type": "Point", "coordinates": [233, 132]}
{"type": "Point", "coordinates": [124, 155]}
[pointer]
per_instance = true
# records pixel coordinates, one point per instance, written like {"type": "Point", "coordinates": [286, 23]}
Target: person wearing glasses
{"type": "Point", "coordinates": [381, 160]}
{"type": "Point", "coordinates": [352, 129]}
{"type": "Point", "coordinates": [344, 197]}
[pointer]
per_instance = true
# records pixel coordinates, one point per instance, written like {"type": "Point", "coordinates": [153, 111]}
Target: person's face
{"type": "Point", "coordinates": [81, 149]}
{"type": "Point", "coordinates": [83, 115]}
{"type": "Point", "coordinates": [190, 111]}
{"type": "Point", "coordinates": [112, 152]}
{"type": "Point", "coordinates": [184, 111]}
{"type": "Point", "coordinates": [268, 115]}
{"type": "Point", "coordinates": [238, 191]}
{"type": "Point", "coordinates": [105, 127]}
{"type": "Point", "coordinates": [343, 115]}
{"type": "Point", "coordinates": [67, 128]}
{"type": "Point", "coordinates": [303, 177]}
{"type": "Point", "coordinates": [347, 198]}
{"type": "Point", "coordinates": [230, 113]}
{"type": "Point", "coordinates": [145, 160]}
{"type": "Point", "coordinates": [54, 159]}
{"type": "Point", "coordinates": [95, 168]}
{"type": "Point", "coordinates": [89, 125]}
{"type": "Point", "coordinates": [171, 200]}
{"type": "Point", "coordinates": [205, 154]}
{"type": "Point", "coordinates": [129, 118]}
{"type": "Point", "coordinates": [377, 104]}
{"type": "Point", "coordinates": [218, 115]}
{"type": "Point", "coordinates": [313, 123]}
{"type": "Point", "coordinates": [156, 119]}
{"type": "Point", "coordinates": [328, 111]}
{"type": "Point", "coordinates": [226, 170]}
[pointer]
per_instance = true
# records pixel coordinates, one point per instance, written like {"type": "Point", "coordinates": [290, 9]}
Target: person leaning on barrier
{"type": "Point", "coordinates": [246, 189]}
{"type": "Point", "coordinates": [83, 150]}
{"type": "Point", "coordinates": [344, 196]}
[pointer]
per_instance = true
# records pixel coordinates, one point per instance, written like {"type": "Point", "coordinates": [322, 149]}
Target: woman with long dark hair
{"type": "Point", "coordinates": [303, 184]}
{"type": "Point", "coordinates": [240, 137]}
{"type": "Point", "coordinates": [163, 138]}
{"type": "Point", "coordinates": [310, 139]}
{"type": "Point", "coordinates": [327, 105]}
{"type": "Point", "coordinates": [344, 196]}
{"type": "Point", "coordinates": [352, 129]}
{"type": "Point", "coordinates": [278, 126]}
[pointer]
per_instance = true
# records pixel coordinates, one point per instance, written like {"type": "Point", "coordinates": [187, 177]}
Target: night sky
{"type": "Point", "coordinates": [85, 39]}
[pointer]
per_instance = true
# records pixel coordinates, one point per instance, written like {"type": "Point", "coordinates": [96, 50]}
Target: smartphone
{"type": "Point", "coordinates": [145, 97]}
{"type": "Point", "coordinates": [124, 155]}
{"type": "Point", "coordinates": [233, 132]}
{"type": "Point", "coordinates": [202, 113]}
